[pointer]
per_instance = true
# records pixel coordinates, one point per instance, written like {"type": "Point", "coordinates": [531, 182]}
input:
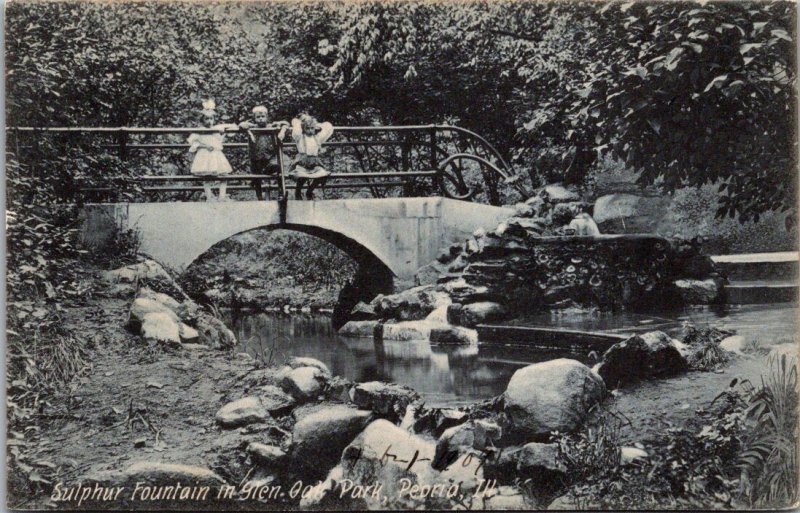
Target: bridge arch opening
{"type": "Point", "coordinates": [368, 277]}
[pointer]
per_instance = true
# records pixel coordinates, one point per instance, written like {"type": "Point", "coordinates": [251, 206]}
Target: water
{"type": "Point", "coordinates": [453, 376]}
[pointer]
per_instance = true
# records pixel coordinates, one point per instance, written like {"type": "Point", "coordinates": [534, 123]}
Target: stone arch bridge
{"type": "Point", "coordinates": [389, 237]}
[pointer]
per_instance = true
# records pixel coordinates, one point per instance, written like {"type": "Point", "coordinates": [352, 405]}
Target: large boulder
{"type": "Point", "coordinates": [245, 411]}
{"type": "Point", "coordinates": [387, 400]}
{"type": "Point", "coordinates": [462, 292]}
{"type": "Point", "coordinates": [698, 292]}
{"type": "Point", "coordinates": [319, 438]}
{"type": "Point", "coordinates": [436, 421]}
{"type": "Point", "coordinates": [395, 465]}
{"type": "Point", "coordinates": [551, 396]}
{"type": "Point", "coordinates": [306, 361]}
{"type": "Point", "coordinates": [643, 356]}
{"type": "Point", "coordinates": [213, 332]}
{"type": "Point", "coordinates": [303, 383]}
{"type": "Point", "coordinates": [275, 401]}
{"type": "Point", "coordinates": [265, 455]}
{"type": "Point", "coordinates": [142, 306]}
{"type": "Point", "coordinates": [475, 313]}
{"type": "Point", "coordinates": [362, 312]}
{"type": "Point", "coordinates": [454, 335]}
{"type": "Point", "coordinates": [412, 304]}
{"type": "Point", "coordinates": [359, 329]}
{"type": "Point", "coordinates": [165, 299]}
{"type": "Point", "coordinates": [147, 273]}
{"type": "Point", "coordinates": [409, 330]}
{"type": "Point", "coordinates": [161, 327]}
{"type": "Point", "coordinates": [429, 274]}
{"type": "Point", "coordinates": [555, 193]}
{"type": "Point", "coordinates": [475, 436]}
{"type": "Point", "coordinates": [188, 334]}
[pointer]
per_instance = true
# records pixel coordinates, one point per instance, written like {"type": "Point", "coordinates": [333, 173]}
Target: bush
{"type": "Point", "coordinates": [769, 459]}
{"type": "Point", "coordinates": [741, 452]}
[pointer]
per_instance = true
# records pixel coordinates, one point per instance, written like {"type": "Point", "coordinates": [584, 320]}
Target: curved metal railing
{"type": "Point", "coordinates": [409, 160]}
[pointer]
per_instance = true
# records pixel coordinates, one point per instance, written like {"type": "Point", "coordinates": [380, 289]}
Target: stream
{"type": "Point", "coordinates": [451, 376]}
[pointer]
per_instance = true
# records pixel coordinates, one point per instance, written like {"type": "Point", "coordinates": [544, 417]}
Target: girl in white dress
{"type": "Point", "coordinates": [207, 150]}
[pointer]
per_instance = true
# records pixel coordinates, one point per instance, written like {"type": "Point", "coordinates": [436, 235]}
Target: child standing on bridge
{"type": "Point", "coordinates": [263, 155]}
{"type": "Point", "coordinates": [207, 150]}
{"type": "Point", "coordinates": [309, 136]}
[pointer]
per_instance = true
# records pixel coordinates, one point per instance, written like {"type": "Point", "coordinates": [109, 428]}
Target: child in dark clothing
{"type": "Point", "coordinates": [263, 158]}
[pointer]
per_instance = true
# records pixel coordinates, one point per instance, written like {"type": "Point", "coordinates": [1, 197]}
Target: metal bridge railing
{"type": "Point", "coordinates": [413, 160]}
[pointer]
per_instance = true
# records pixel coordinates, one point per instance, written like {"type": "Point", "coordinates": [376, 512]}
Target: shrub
{"type": "Point", "coordinates": [769, 458]}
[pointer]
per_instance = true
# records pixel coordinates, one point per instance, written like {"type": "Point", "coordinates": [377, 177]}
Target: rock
{"type": "Point", "coordinates": [698, 292]}
{"type": "Point", "coordinates": [439, 315]}
{"type": "Point", "coordinates": [157, 473]}
{"type": "Point", "coordinates": [651, 354]}
{"type": "Point", "coordinates": [382, 454]}
{"type": "Point", "coordinates": [429, 274]}
{"type": "Point", "coordinates": [362, 312]}
{"type": "Point", "coordinates": [474, 436]}
{"type": "Point", "coordinates": [161, 327]}
{"type": "Point", "coordinates": [188, 334]}
{"type": "Point", "coordinates": [319, 438]}
{"type": "Point", "coordinates": [526, 210]}
{"type": "Point", "coordinates": [388, 400]}
{"type": "Point", "coordinates": [524, 227]}
{"type": "Point", "coordinates": [505, 498]}
{"type": "Point", "coordinates": [247, 410]}
{"type": "Point", "coordinates": [565, 503]}
{"type": "Point", "coordinates": [475, 313]}
{"type": "Point", "coordinates": [409, 330]}
{"type": "Point", "coordinates": [734, 344]}
{"type": "Point", "coordinates": [412, 304]}
{"type": "Point", "coordinates": [305, 361]}
{"type": "Point", "coordinates": [563, 213]}
{"type": "Point", "coordinates": [275, 401]}
{"type": "Point", "coordinates": [164, 299]}
{"type": "Point", "coordinates": [143, 306]}
{"type": "Point", "coordinates": [534, 457]}
{"type": "Point", "coordinates": [435, 421]}
{"type": "Point", "coordinates": [304, 383]}
{"type": "Point", "coordinates": [630, 213]}
{"type": "Point", "coordinates": [266, 455]}
{"type": "Point", "coordinates": [359, 329]}
{"type": "Point", "coordinates": [189, 311]}
{"type": "Point", "coordinates": [628, 455]}
{"type": "Point", "coordinates": [338, 389]}
{"type": "Point", "coordinates": [584, 225]}
{"type": "Point", "coordinates": [147, 273]}
{"type": "Point", "coordinates": [213, 332]}
{"type": "Point", "coordinates": [462, 292]}
{"type": "Point", "coordinates": [454, 335]}
{"type": "Point", "coordinates": [551, 396]}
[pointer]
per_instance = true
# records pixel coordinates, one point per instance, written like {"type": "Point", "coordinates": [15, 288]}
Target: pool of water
{"type": "Point", "coordinates": [452, 376]}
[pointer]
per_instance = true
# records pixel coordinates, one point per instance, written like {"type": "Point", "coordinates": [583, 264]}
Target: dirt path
{"type": "Point", "coordinates": [655, 406]}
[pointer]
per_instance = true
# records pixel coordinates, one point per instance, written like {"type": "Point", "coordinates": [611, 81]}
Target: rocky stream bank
{"type": "Point", "coordinates": [171, 416]}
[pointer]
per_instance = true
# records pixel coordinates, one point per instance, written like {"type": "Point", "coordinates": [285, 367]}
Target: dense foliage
{"type": "Point", "coordinates": [687, 94]}
{"type": "Point", "coordinates": [738, 452]}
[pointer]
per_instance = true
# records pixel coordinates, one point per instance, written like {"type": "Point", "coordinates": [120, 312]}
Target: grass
{"type": "Point", "coordinates": [768, 460]}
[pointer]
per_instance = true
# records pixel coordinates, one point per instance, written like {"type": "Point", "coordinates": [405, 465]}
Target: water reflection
{"type": "Point", "coordinates": [443, 375]}
{"type": "Point", "coordinates": [448, 376]}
